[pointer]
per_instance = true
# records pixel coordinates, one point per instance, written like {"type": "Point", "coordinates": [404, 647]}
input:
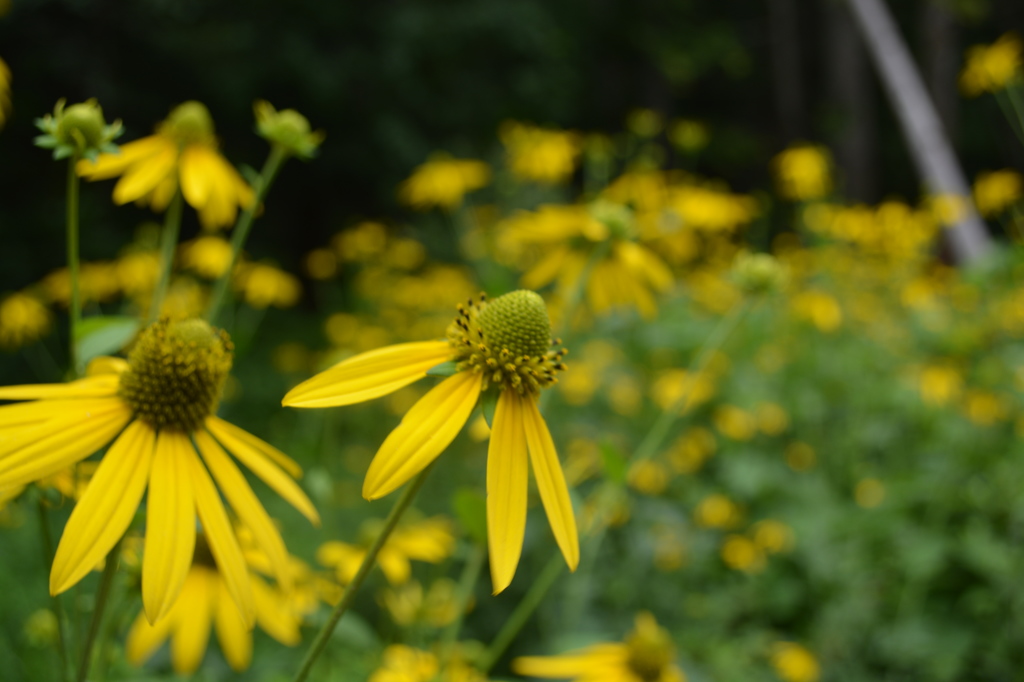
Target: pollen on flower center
{"type": "Point", "coordinates": [508, 340]}
{"type": "Point", "coordinates": [176, 372]}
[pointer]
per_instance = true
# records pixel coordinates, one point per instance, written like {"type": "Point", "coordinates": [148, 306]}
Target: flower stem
{"type": "Point", "coordinates": [467, 581]}
{"type": "Point", "coordinates": [369, 561]}
{"type": "Point", "coordinates": [168, 242]}
{"type": "Point", "coordinates": [271, 166]}
{"type": "Point", "coordinates": [102, 593]}
{"type": "Point", "coordinates": [58, 609]}
{"type": "Point", "coordinates": [73, 261]}
{"type": "Point", "coordinates": [515, 622]}
{"type": "Point", "coordinates": [1013, 110]}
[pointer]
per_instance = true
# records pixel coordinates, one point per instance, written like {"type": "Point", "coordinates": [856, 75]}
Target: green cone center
{"type": "Point", "coordinates": [518, 322]}
{"type": "Point", "coordinates": [176, 373]}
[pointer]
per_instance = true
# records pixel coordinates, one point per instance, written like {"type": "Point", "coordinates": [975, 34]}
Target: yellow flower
{"type": "Point", "coordinates": [207, 602]}
{"type": "Point", "coordinates": [262, 285]}
{"type": "Point", "coordinates": [794, 663]}
{"type": "Point", "coordinates": [772, 418]}
{"type": "Point", "coordinates": [869, 493]}
{"type": "Point", "coordinates": [939, 384]}
{"type": "Point", "coordinates": [97, 282]}
{"type": "Point", "coordinates": [800, 456]}
{"type": "Point", "coordinates": [990, 68]}
{"type": "Point", "coordinates": [183, 153]}
{"type": "Point", "coordinates": [740, 553]}
{"type": "Point", "coordinates": [207, 255]}
{"type": "Point", "coordinates": [557, 243]}
{"type": "Point", "coordinates": [401, 663]}
{"type": "Point", "coordinates": [648, 476]}
{"type": "Point", "coordinates": [540, 154]}
{"type": "Point", "coordinates": [153, 411]}
{"type": "Point", "coordinates": [407, 603]}
{"type": "Point", "coordinates": [430, 540]}
{"type": "Point", "coordinates": [735, 423]}
{"type": "Point", "coordinates": [504, 346]}
{"type": "Point", "coordinates": [802, 172]}
{"type": "Point", "coordinates": [646, 655]}
{"type": "Point", "coordinates": [996, 191]}
{"type": "Point", "coordinates": [691, 449]}
{"type": "Point", "coordinates": [362, 242]}
{"type": "Point", "coordinates": [773, 536]}
{"type": "Point", "coordinates": [442, 182]}
{"type": "Point", "coordinates": [688, 135]}
{"type": "Point", "coordinates": [23, 319]}
{"type": "Point", "coordinates": [818, 308]}
{"type": "Point", "coordinates": [717, 511]}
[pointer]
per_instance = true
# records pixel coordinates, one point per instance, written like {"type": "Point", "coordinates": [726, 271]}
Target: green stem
{"type": "Point", "coordinates": [369, 561]}
{"type": "Point", "coordinates": [58, 609]}
{"type": "Point", "coordinates": [262, 185]}
{"type": "Point", "coordinates": [467, 582]}
{"type": "Point", "coordinates": [102, 593]}
{"type": "Point", "coordinates": [168, 242]}
{"type": "Point", "coordinates": [1013, 110]}
{"type": "Point", "coordinates": [656, 436]}
{"type": "Point", "coordinates": [73, 261]}
{"type": "Point", "coordinates": [515, 622]}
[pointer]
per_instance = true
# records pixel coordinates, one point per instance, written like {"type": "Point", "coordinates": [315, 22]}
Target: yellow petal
{"type": "Point", "coordinates": [145, 176]}
{"type": "Point", "coordinates": [369, 375]}
{"type": "Point", "coordinates": [105, 364]}
{"type": "Point", "coordinates": [100, 386]}
{"type": "Point", "coordinates": [245, 503]}
{"type": "Point", "coordinates": [194, 168]}
{"type": "Point", "coordinates": [111, 165]}
{"type": "Point", "coordinates": [261, 465]}
{"type": "Point", "coordinates": [170, 525]}
{"type": "Point", "coordinates": [234, 636]}
{"type": "Point", "coordinates": [274, 615]}
{"type": "Point", "coordinates": [506, 489]}
{"type": "Point", "coordinates": [14, 418]}
{"type": "Point", "coordinates": [223, 543]}
{"type": "Point", "coordinates": [106, 509]}
{"type": "Point", "coordinates": [592, 659]}
{"type": "Point", "coordinates": [551, 483]}
{"type": "Point", "coordinates": [426, 430]}
{"type": "Point", "coordinates": [395, 566]}
{"type": "Point", "coordinates": [547, 270]}
{"type": "Point", "coordinates": [56, 444]}
{"type": "Point", "coordinates": [282, 460]}
{"type": "Point", "coordinates": [192, 629]}
{"type": "Point", "coordinates": [144, 639]}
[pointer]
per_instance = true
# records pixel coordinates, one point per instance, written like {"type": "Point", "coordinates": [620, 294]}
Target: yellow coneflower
{"type": "Point", "coordinates": [802, 172]}
{"type": "Point", "coordinates": [23, 319]}
{"type": "Point", "coordinates": [504, 346]}
{"type": "Point", "coordinates": [208, 255]}
{"type": "Point", "coordinates": [262, 285]}
{"type": "Point", "coordinates": [990, 68]}
{"type": "Point", "coordinates": [183, 153]}
{"type": "Point", "coordinates": [794, 663]}
{"type": "Point", "coordinates": [402, 663]}
{"type": "Point", "coordinates": [206, 602]}
{"type": "Point", "coordinates": [154, 410]}
{"type": "Point", "coordinates": [443, 182]}
{"type": "Point", "coordinates": [539, 154]}
{"type": "Point", "coordinates": [430, 540]}
{"type": "Point", "coordinates": [646, 655]}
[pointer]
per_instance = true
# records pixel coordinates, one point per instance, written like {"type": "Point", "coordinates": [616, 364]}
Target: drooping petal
{"type": "Point", "coordinates": [547, 270]}
{"type": "Point", "coordinates": [111, 165]}
{"type": "Point", "coordinates": [42, 450]}
{"type": "Point", "coordinates": [222, 540]}
{"type": "Point", "coordinates": [394, 565]}
{"type": "Point", "coordinates": [243, 500]}
{"type": "Point", "coordinates": [426, 430]}
{"type": "Point", "coordinates": [226, 430]}
{"type": "Point", "coordinates": [144, 639]}
{"type": "Point", "coordinates": [369, 375]}
{"type": "Point", "coordinates": [142, 178]}
{"type": "Point", "coordinates": [170, 525]}
{"type": "Point", "coordinates": [274, 616]}
{"type": "Point", "coordinates": [192, 627]}
{"type": "Point", "coordinates": [106, 509]}
{"type": "Point", "coordinates": [265, 469]}
{"type": "Point", "coordinates": [506, 489]}
{"type": "Point", "coordinates": [99, 386]}
{"type": "Point", "coordinates": [590, 660]}
{"type": "Point", "coordinates": [554, 493]}
{"type": "Point", "coordinates": [234, 636]}
{"type": "Point", "coordinates": [195, 170]}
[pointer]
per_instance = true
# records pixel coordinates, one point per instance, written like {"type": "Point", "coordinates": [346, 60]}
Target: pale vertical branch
{"type": "Point", "coordinates": [929, 146]}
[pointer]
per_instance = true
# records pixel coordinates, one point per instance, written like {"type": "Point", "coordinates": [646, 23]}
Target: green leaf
{"type": "Point", "coordinates": [614, 463]}
{"type": "Point", "coordinates": [445, 369]}
{"type": "Point", "coordinates": [104, 334]}
{"type": "Point", "coordinates": [470, 508]}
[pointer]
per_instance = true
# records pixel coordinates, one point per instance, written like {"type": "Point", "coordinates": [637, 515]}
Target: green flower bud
{"type": "Point", "coordinates": [78, 130]}
{"type": "Point", "coordinates": [616, 217]}
{"type": "Point", "coordinates": [287, 128]}
{"type": "Point", "coordinates": [758, 273]}
{"type": "Point", "coordinates": [189, 123]}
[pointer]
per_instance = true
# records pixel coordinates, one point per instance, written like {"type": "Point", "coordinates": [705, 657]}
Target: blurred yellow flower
{"type": "Point", "coordinates": [262, 285]}
{"type": "Point", "coordinates": [818, 308]}
{"type": "Point", "coordinates": [735, 423]}
{"type": "Point", "coordinates": [442, 182]}
{"type": "Point", "coordinates": [869, 493]}
{"type": "Point", "coordinates": [625, 395]}
{"type": "Point", "coordinates": [408, 604]}
{"type": "Point", "coordinates": [321, 264]}
{"type": "Point", "coordinates": [648, 476]}
{"type": "Point", "coordinates": [688, 135]}
{"type": "Point", "coordinates": [23, 320]}
{"type": "Point", "coordinates": [361, 242]}
{"type": "Point", "coordinates": [207, 255]}
{"type": "Point", "coordinates": [430, 540]}
{"type": "Point", "coordinates": [401, 663]}
{"type": "Point", "coordinates": [985, 408]}
{"type": "Point", "coordinates": [794, 663]}
{"type": "Point", "coordinates": [740, 553]}
{"type": "Point", "coordinates": [772, 418]}
{"type": "Point", "coordinates": [803, 172]}
{"type": "Point", "coordinates": [671, 385]}
{"type": "Point", "coordinates": [689, 452]}
{"type": "Point", "coordinates": [42, 629]}
{"type": "Point", "coordinates": [996, 191]}
{"type": "Point", "coordinates": [539, 154]}
{"type": "Point", "coordinates": [772, 536]}
{"type": "Point", "coordinates": [940, 384]}
{"type": "Point", "coordinates": [990, 68]}
{"type": "Point", "coordinates": [644, 122]}
{"type": "Point", "coordinates": [97, 282]}
{"type": "Point", "coordinates": [183, 153]}
{"type": "Point", "coordinates": [717, 511]}
{"type": "Point", "coordinates": [800, 456]}
{"type": "Point", "coordinates": [647, 654]}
